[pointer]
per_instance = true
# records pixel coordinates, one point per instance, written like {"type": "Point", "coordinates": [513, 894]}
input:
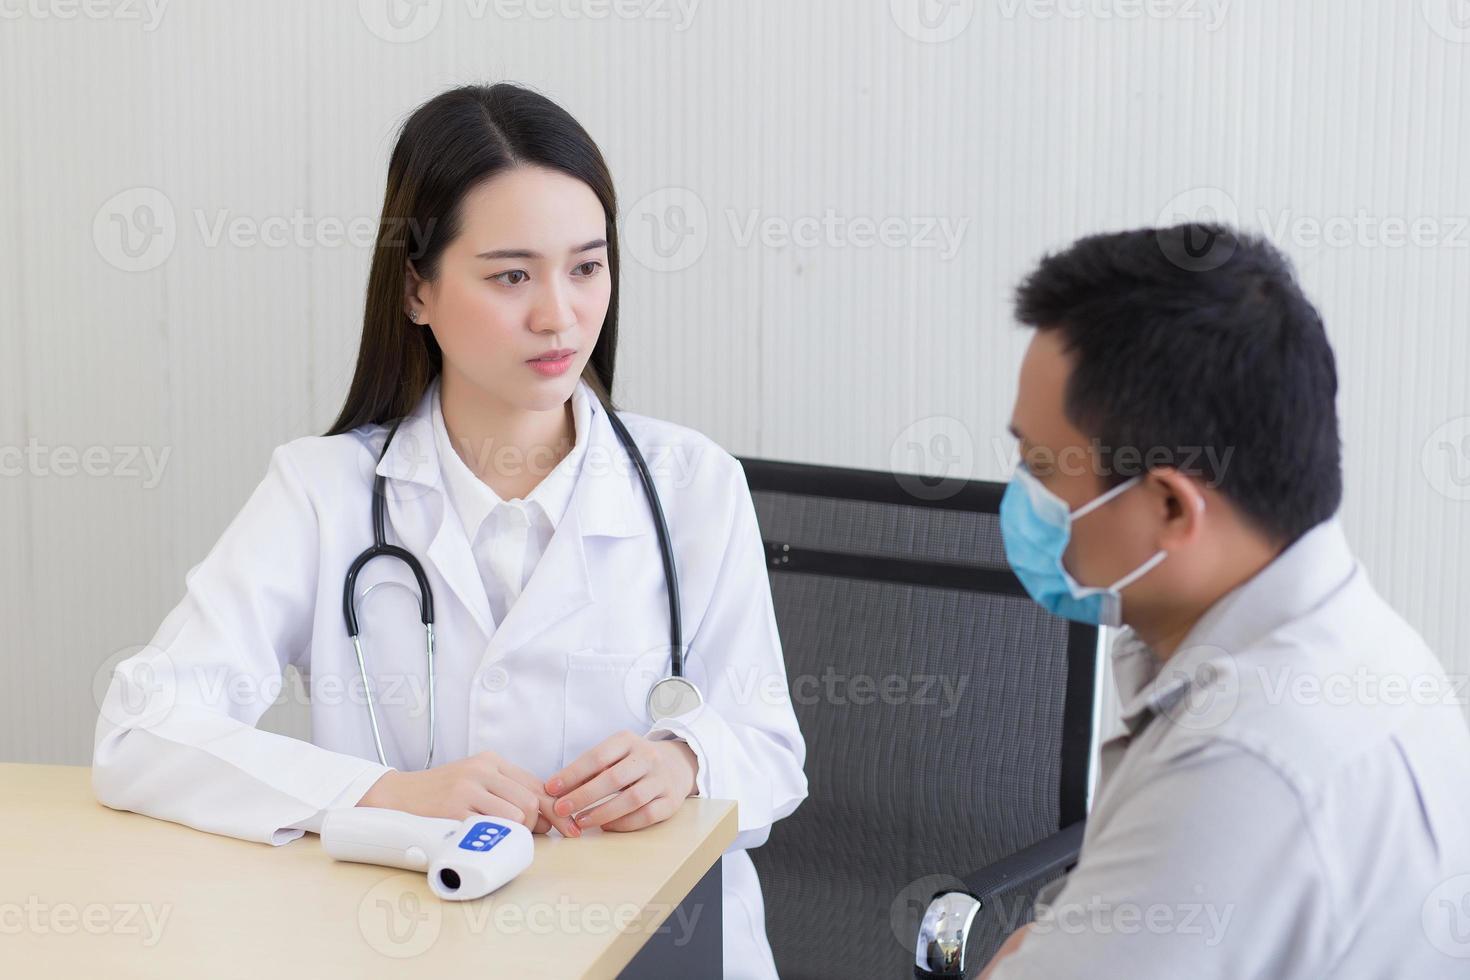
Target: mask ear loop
{"type": "Point", "coordinates": [1147, 566]}
{"type": "Point", "coordinates": [1097, 502]}
{"type": "Point", "coordinates": [1139, 572]}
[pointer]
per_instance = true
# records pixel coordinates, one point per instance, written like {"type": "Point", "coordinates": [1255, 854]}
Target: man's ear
{"type": "Point", "coordinates": [1183, 502]}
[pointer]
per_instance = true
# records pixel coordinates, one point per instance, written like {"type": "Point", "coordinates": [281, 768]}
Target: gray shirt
{"type": "Point", "coordinates": [1289, 797]}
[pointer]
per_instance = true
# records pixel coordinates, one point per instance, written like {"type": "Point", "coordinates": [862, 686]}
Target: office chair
{"type": "Point", "coordinates": [948, 722]}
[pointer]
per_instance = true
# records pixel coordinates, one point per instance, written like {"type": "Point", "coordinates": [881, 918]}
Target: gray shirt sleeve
{"type": "Point", "coordinates": [1206, 869]}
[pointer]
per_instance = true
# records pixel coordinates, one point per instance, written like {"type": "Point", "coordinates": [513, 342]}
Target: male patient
{"type": "Point", "coordinates": [1289, 797]}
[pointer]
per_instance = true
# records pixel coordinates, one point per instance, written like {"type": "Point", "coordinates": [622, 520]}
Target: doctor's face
{"type": "Point", "coordinates": [526, 278]}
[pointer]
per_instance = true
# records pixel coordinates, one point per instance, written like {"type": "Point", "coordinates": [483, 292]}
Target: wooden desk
{"type": "Point", "coordinates": [90, 891]}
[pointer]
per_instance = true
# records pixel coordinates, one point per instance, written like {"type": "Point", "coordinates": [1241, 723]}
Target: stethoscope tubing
{"type": "Point", "coordinates": [381, 549]}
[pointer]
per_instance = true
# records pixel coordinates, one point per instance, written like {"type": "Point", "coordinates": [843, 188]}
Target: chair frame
{"type": "Point", "coordinates": [941, 946]}
{"type": "Point", "coordinates": [971, 496]}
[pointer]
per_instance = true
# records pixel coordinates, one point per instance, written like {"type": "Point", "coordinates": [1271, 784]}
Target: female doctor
{"type": "Point", "coordinates": [487, 352]}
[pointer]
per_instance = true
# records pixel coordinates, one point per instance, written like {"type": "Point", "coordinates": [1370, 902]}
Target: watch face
{"type": "Point", "coordinates": [673, 696]}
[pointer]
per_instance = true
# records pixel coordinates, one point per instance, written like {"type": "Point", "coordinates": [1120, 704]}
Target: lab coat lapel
{"type": "Point", "coordinates": [601, 506]}
{"type": "Point", "coordinates": [450, 554]}
{"type": "Point", "coordinates": [557, 588]}
{"type": "Point", "coordinates": [418, 512]}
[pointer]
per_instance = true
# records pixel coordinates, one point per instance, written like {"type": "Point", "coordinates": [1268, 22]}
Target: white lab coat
{"type": "Point", "coordinates": [570, 665]}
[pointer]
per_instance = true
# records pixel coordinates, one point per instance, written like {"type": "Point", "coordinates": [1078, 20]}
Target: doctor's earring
{"type": "Point", "coordinates": [413, 315]}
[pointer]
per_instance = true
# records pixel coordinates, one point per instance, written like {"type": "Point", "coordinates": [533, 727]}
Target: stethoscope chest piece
{"type": "Point", "coordinates": [673, 696]}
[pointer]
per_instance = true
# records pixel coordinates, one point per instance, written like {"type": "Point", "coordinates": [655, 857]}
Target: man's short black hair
{"type": "Point", "coordinates": [1193, 347]}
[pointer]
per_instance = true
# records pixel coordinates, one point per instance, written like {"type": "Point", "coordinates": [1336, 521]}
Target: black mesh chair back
{"type": "Point", "coordinates": [948, 719]}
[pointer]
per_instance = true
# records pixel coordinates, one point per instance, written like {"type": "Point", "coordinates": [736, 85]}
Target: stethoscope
{"type": "Point", "coordinates": [670, 696]}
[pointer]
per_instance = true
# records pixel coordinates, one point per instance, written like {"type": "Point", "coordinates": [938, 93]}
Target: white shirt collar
{"type": "Point", "coordinates": [1314, 567]}
{"type": "Point", "coordinates": [472, 498]}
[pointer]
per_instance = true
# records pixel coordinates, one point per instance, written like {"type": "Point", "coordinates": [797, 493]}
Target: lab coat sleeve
{"type": "Point", "coordinates": [745, 736]}
{"type": "Point", "coordinates": [176, 736]}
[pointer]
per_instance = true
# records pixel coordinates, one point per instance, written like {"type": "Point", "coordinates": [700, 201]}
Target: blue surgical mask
{"type": "Point", "coordinates": [1036, 526]}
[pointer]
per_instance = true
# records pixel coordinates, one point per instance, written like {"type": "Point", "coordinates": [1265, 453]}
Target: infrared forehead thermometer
{"type": "Point", "coordinates": [465, 859]}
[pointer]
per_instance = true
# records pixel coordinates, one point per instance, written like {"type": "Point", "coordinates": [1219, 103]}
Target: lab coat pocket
{"type": "Point", "coordinates": [605, 692]}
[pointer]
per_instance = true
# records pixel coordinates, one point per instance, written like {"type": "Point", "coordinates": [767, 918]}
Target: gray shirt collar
{"type": "Point", "coordinates": [1297, 581]}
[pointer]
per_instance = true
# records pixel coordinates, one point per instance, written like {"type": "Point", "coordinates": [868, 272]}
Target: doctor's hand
{"type": "Point", "coordinates": [482, 783]}
{"type": "Point", "coordinates": [650, 778]}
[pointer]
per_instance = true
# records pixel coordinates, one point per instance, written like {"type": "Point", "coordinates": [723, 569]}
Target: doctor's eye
{"type": "Point", "coordinates": [505, 277]}
{"type": "Point", "coordinates": [587, 269]}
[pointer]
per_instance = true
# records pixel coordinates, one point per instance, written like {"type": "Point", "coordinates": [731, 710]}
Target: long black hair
{"type": "Point", "coordinates": [448, 146]}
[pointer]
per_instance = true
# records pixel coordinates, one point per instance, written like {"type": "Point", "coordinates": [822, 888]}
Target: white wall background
{"type": "Point", "coordinates": [1018, 125]}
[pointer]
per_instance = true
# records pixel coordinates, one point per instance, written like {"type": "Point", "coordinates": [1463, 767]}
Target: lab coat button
{"type": "Point", "coordinates": [495, 679]}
